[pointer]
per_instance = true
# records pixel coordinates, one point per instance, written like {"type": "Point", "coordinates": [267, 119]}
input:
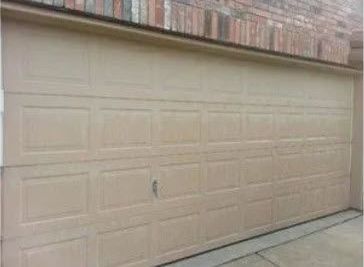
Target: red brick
{"type": "Point", "coordinates": [117, 9]}
{"type": "Point", "coordinates": [80, 5]}
{"type": "Point", "coordinates": [188, 19]}
{"type": "Point", "coordinates": [99, 7]}
{"type": "Point", "coordinates": [70, 4]}
{"type": "Point", "coordinates": [151, 15]}
{"type": "Point", "coordinates": [195, 21]}
{"type": "Point", "coordinates": [301, 22]}
{"type": "Point", "coordinates": [237, 31]}
{"type": "Point", "coordinates": [159, 13]}
{"type": "Point", "coordinates": [214, 26]}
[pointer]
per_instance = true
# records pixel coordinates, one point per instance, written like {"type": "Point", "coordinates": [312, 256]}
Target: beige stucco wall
{"type": "Point", "coordinates": [238, 148]}
{"type": "Point", "coordinates": [356, 191]}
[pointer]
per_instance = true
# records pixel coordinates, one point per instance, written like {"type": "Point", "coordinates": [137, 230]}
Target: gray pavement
{"type": "Point", "coordinates": [332, 241]}
{"type": "Point", "coordinates": [337, 246]}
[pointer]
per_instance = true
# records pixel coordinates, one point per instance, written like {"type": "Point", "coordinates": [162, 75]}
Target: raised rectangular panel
{"type": "Point", "coordinates": [338, 90]}
{"type": "Point", "coordinates": [50, 197]}
{"type": "Point", "coordinates": [313, 196]}
{"type": "Point", "coordinates": [258, 214]}
{"type": "Point", "coordinates": [314, 125]}
{"type": "Point", "coordinates": [341, 160]}
{"type": "Point", "coordinates": [177, 231]}
{"type": "Point", "coordinates": [44, 198]}
{"type": "Point", "coordinates": [288, 199]}
{"type": "Point", "coordinates": [343, 127]}
{"type": "Point", "coordinates": [71, 253]}
{"type": "Point", "coordinates": [331, 126]}
{"type": "Point", "coordinates": [43, 129]}
{"type": "Point", "coordinates": [222, 175]}
{"type": "Point", "coordinates": [314, 200]}
{"type": "Point", "coordinates": [290, 125]}
{"type": "Point", "coordinates": [180, 127]}
{"type": "Point", "coordinates": [126, 128]}
{"type": "Point", "coordinates": [222, 216]}
{"type": "Point", "coordinates": [259, 126]}
{"type": "Point", "coordinates": [338, 194]}
{"type": "Point", "coordinates": [259, 192]}
{"type": "Point", "coordinates": [290, 165]}
{"type": "Point", "coordinates": [222, 221]}
{"type": "Point", "coordinates": [179, 71]}
{"type": "Point", "coordinates": [53, 129]}
{"type": "Point", "coordinates": [124, 188]}
{"type": "Point", "coordinates": [218, 70]}
{"type": "Point", "coordinates": [179, 180]}
{"type": "Point", "coordinates": [124, 66]}
{"type": "Point", "coordinates": [288, 207]}
{"type": "Point", "coordinates": [124, 247]}
{"type": "Point", "coordinates": [259, 169]}
{"type": "Point", "coordinates": [315, 162]}
{"type": "Point", "coordinates": [224, 127]}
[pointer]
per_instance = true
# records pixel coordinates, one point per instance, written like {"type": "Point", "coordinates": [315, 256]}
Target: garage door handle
{"type": "Point", "coordinates": [155, 187]}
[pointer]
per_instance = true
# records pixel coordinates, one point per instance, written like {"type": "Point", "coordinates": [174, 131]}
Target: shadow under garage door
{"type": "Point", "coordinates": [120, 152]}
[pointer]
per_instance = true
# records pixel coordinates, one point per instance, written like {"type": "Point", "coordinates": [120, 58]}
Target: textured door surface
{"type": "Point", "coordinates": [235, 149]}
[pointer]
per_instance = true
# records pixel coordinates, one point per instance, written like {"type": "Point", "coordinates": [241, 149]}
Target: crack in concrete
{"type": "Point", "coordinates": [267, 259]}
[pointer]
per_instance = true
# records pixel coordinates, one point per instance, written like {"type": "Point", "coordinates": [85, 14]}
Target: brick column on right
{"type": "Point", "coordinates": [356, 187]}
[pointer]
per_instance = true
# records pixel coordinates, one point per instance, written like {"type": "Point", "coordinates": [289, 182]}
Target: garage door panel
{"type": "Point", "coordinates": [215, 73]}
{"type": "Point", "coordinates": [35, 201]}
{"type": "Point", "coordinates": [40, 60]}
{"type": "Point", "coordinates": [180, 180]}
{"type": "Point", "coordinates": [125, 188]}
{"type": "Point", "coordinates": [314, 194]}
{"type": "Point", "coordinates": [124, 247]}
{"type": "Point", "coordinates": [222, 174]}
{"type": "Point", "coordinates": [62, 253]}
{"type": "Point", "coordinates": [127, 69]}
{"type": "Point", "coordinates": [125, 128]}
{"type": "Point", "coordinates": [329, 90]}
{"type": "Point", "coordinates": [258, 216]}
{"type": "Point", "coordinates": [259, 166]}
{"type": "Point", "coordinates": [222, 219]}
{"type": "Point", "coordinates": [288, 163]}
{"type": "Point", "coordinates": [288, 201]}
{"type": "Point", "coordinates": [179, 127]}
{"type": "Point", "coordinates": [66, 248]}
{"type": "Point", "coordinates": [338, 192]}
{"type": "Point", "coordinates": [177, 230]}
{"type": "Point", "coordinates": [259, 127]}
{"type": "Point", "coordinates": [179, 72]}
{"type": "Point", "coordinates": [44, 129]}
{"type": "Point", "coordinates": [260, 90]}
{"type": "Point", "coordinates": [224, 127]}
{"type": "Point", "coordinates": [290, 126]}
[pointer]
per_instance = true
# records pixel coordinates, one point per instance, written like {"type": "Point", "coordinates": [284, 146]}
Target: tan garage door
{"type": "Point", "coordinates": [233, 148]}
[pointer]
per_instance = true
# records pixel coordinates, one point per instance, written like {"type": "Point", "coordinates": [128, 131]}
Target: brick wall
{"type": "Point", "coordinates": [311, 28]}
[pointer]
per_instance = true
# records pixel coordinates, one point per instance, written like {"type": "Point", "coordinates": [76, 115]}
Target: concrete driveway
{"type": "Point", "coordinates": [337, 246]}
{"type": "Point", "coordinates": [332, 241]}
